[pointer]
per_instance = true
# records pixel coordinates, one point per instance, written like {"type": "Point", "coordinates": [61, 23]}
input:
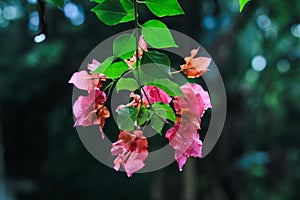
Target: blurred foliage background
{"type": "Point", "coordinates": [258, 55]}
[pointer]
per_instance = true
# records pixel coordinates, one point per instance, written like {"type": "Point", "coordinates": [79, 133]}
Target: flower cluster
{"type": "Point", "coordinates": [151, 103]}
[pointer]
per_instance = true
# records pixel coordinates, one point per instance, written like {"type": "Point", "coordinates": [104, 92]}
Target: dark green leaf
{"type": "Point", "coordinates": [143, 116]}
{"type": "Point", "coordinates": [156, 64]}
{"type": "Point", "coordinates": [171, 88]}
{"type": "Point", "coordinates": [104, 65]}
{"type": "Point", "coordinates": [163, 8]}
{"type": "Point", "coordinates": [157, 34]}
{"type": "Point", "coordinates": [127, 84]}
{"type": "Point", "coordinates": [110, 12]}
{"type": "Point", "coordinates": [58, 3]}
{"type": "Point", "coordinates": [128, 7]}
{"type": "Point", "coordinates": [164, 111]}
{"type": "Point", "coordinates": [126, 118]}
{"type": "Point", "coordinates": [124, 46]}
{"type": "Point", "coordinates": [116, 69]}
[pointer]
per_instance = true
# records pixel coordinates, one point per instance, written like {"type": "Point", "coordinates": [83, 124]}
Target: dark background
{"type": "Point", "coordinates": [257, 156]}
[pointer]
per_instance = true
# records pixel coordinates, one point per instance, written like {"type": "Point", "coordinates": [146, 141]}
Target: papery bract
{"type": "Point", "coordinates": [183, 137]}
{"type": "Point", "coordinates": [94, 65]}
{"type": "Point", "coordinates": [85, 81]}
{"type": "Point", "coordinates": [195, 67]}
{"type": "Point", "coordinates": [131, 151]}
{"type": "Point", "coordinates": [89, 110]}
{"type": "Point", "coordinates": [155, 94]}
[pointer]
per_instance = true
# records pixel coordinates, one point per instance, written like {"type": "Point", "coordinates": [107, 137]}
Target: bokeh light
{"type": "Point", "coordinates": [259, 63]}
{"type": "Point", "coordinates": [283, 65]}
{"type": "Point", "coordinates": [39, 38]}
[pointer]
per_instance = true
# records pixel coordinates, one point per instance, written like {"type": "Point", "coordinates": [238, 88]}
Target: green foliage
{"type": "Point", "coordinates": [104, 65]}
{"type": "Point", "coordinates": [157, 34]}
{"type": "Point", "coordinates": [128, 6]}
{"type": "Point", "coordinates": [242, 4]}
{"type": "Point", "coordinates": [126, 118]}
{"type": "Point", "coordinates": [116, 69]}
{"type": "Point", "coordinates": [161, 112]}
{"type": "Point", "coordinates": [163, 8]}
{"type": "Point", "coordinates": [171, 88]}
{"type": "Point", "coordinates": [58, 3]}
{"type": "Point", "coordinates": [124, 46]}
{"type": "Point", "coordinates": [110, 12]}
{"type": "Point", "coordinates": [154, 61]}
{"type": "Point", "coordinates": [143, 116]}
{"type": "Point", "coordinates": [127, 84]}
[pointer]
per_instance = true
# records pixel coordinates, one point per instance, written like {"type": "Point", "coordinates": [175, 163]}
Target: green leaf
{"type": "Point", "coordinates": [164, 111]}
{"type": "Point", "coordinates": [124, 46]}
{"type": "Point", "coordinates": [104, 65]}
{"type": "Point", "coordinates": [143, 116]}
{"type": "Point", "coordinates": [156, 64]}
{"type": "Point", "coordinates": [163, 8]}
{"type": "Point", "coordinates": [116, 69]}
{"type": "Point", "coordinates": [157, 34]}
{"type": "Point", "coordinates": [171, 88]}
{"type": "Point", "coordinates": [110, 12]}
{"type": "Point", "coordinates": [144, 78]}
{"type": "Point", "coordinates": [126, 118]}
{"type": "Point", "coordinates": [127, 84]}
{"type": "Point", "coordinates": [242, 4]}
{"type": "Point", "coordinates": [58, 3]}
{"type": "Point", "coordinates": [128, 7]}
{"type": "Point", "coordinates": [157, 123]}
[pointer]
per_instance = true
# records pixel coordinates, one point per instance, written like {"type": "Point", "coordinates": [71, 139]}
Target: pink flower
{"type": "Point", "coordinates": [136, 102]}
{"type": "Point", "coordinates": [85, 81]}
{"type": "Point", "coordinates": [94, 65]}
{"type": "Point", "coordinates": [155, 94]}
{"type": "Point", "coordinates": [183, 137]}
{"type": "Point", "coordinates": [195, 67]}
{"type": "Point", "coordinates": [185, 141]}
{"type": "Point", "coordinates": [131, 151]}
{"type": "Point", "coordinates": [89, 110]}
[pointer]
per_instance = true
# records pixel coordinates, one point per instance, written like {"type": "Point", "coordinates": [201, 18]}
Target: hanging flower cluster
{"type": "Point", "coordinates": [155, 99]}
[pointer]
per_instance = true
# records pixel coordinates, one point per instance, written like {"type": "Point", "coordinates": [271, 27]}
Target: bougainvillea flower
{"type": "Point", "coordinates": [89, 110]}
{"type": "Point", "coordinates": [142, 46]}
{"type": "Point", "coordinates": [195, 67]}
{"type": "Point", "coordinates": [155, 94]}
{"type": "Point", "coordinates": [85, 81]}
{"type": "Point", "coordinates": [183, 137]}
{"type": "Point", "coordinates": [131, 151]}
{"type": "Point", "coordinates": [136, 102]}
{"type": "Point", "coordinates": [94, 65]}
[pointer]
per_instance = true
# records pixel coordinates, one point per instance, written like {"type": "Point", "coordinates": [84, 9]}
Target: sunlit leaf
{"type": "Point", "coordinates": [163, 8]}
{"type": "Point", "coordinates": [58, 3]}
{"type": "Point", "coordinates": [143, 116]}
{"type": "Point", "coordinates": [116, 69]}
{"type": "Point", "coordinates": [157, 34]}
{"type": "Point", "coordinates": [128, 7]}
{"type": "Point", "coordinates": [103, 66]}
{"type": "Point", "coordinates": [164, 111]}
{"type": "Point", "coordinates": [157, 123]}
{"type": "Point", "coordinates": [242, 4]}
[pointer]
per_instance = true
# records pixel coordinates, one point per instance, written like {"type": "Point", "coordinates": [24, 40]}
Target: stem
{"type": "Point", "coordinates": [176, 72]}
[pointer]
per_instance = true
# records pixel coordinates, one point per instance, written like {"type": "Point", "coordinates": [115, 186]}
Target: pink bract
{"type": "Point", "coordinates": [131, 151]}
{"type": "Point", "coordinates": [155, 94]}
